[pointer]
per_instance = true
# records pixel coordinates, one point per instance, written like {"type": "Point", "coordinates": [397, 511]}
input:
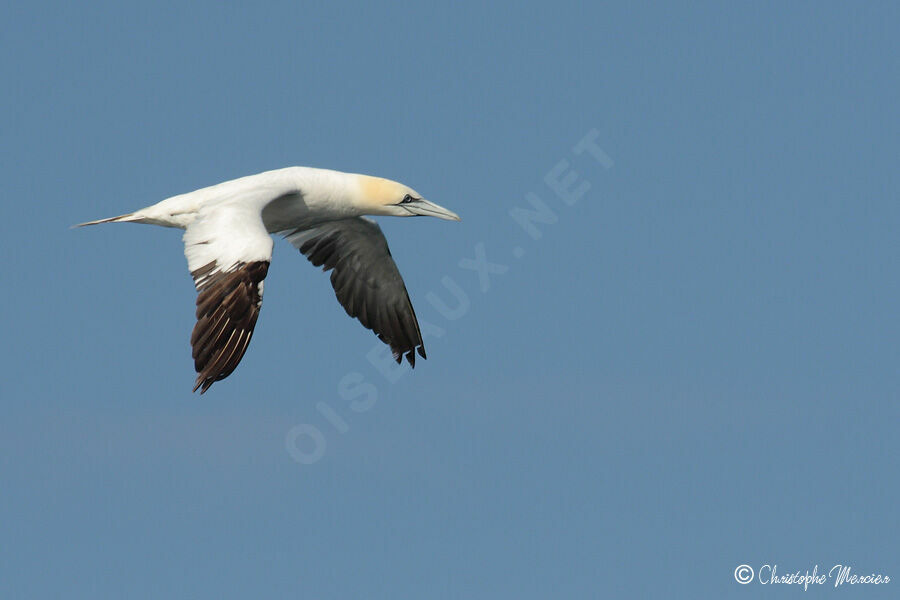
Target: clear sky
{"type": "Point", "coordinates": [694, 366]}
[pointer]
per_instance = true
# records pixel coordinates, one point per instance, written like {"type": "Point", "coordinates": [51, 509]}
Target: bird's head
{"type": "Point", "coordinates": [379, 196]}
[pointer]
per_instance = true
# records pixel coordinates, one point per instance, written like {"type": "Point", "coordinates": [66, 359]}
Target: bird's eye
{"type": "Point", "coordinates": [406, 199]}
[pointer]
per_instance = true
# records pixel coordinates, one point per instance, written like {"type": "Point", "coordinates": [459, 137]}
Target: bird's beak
{"type": "Point", "coordinates": [430, 209]}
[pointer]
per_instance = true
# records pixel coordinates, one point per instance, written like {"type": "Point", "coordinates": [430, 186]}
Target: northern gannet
{"type": "Point", "coordinates": [228, 247]}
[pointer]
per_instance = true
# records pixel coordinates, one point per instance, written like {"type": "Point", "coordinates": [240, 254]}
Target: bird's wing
{"type": "Point", "coordinates": [228, 251]}
{"type": "Point", "coordinates": [366, 280]}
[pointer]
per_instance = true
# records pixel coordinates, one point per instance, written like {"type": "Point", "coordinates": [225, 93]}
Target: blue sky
{"type": "Point", "coordinates": [693, 368]}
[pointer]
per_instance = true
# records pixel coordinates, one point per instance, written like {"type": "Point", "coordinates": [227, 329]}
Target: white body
{"type": "Point", "coordinates": [318, 195]}
{"type": "Point", "coordinates": [249, 208]}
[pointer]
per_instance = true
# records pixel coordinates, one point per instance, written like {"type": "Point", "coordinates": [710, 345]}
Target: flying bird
{"type": "Point", "coordinates": [228, 247]}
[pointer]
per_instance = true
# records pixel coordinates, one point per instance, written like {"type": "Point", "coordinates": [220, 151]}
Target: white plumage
{"type": "Point", "coordinates": [228, 247]}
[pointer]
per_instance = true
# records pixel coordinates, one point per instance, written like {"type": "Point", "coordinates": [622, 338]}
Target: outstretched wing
{"type": "Point", "coordinates": [366, 280]}
{"type": "Point", "coordinates": [228, 251]}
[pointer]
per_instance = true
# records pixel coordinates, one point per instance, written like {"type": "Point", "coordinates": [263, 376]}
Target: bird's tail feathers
{"type": "Point", "coordinates": [129, 218]}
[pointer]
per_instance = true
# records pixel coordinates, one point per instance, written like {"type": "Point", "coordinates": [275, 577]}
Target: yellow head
{"type": "Point", "coordinates": [378, 196]}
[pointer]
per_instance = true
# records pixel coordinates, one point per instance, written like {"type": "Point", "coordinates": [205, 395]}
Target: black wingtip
{"type": "Point", "coordinates": [202, 384]}
{"type": "Point", "coordinates": [421, 350]}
